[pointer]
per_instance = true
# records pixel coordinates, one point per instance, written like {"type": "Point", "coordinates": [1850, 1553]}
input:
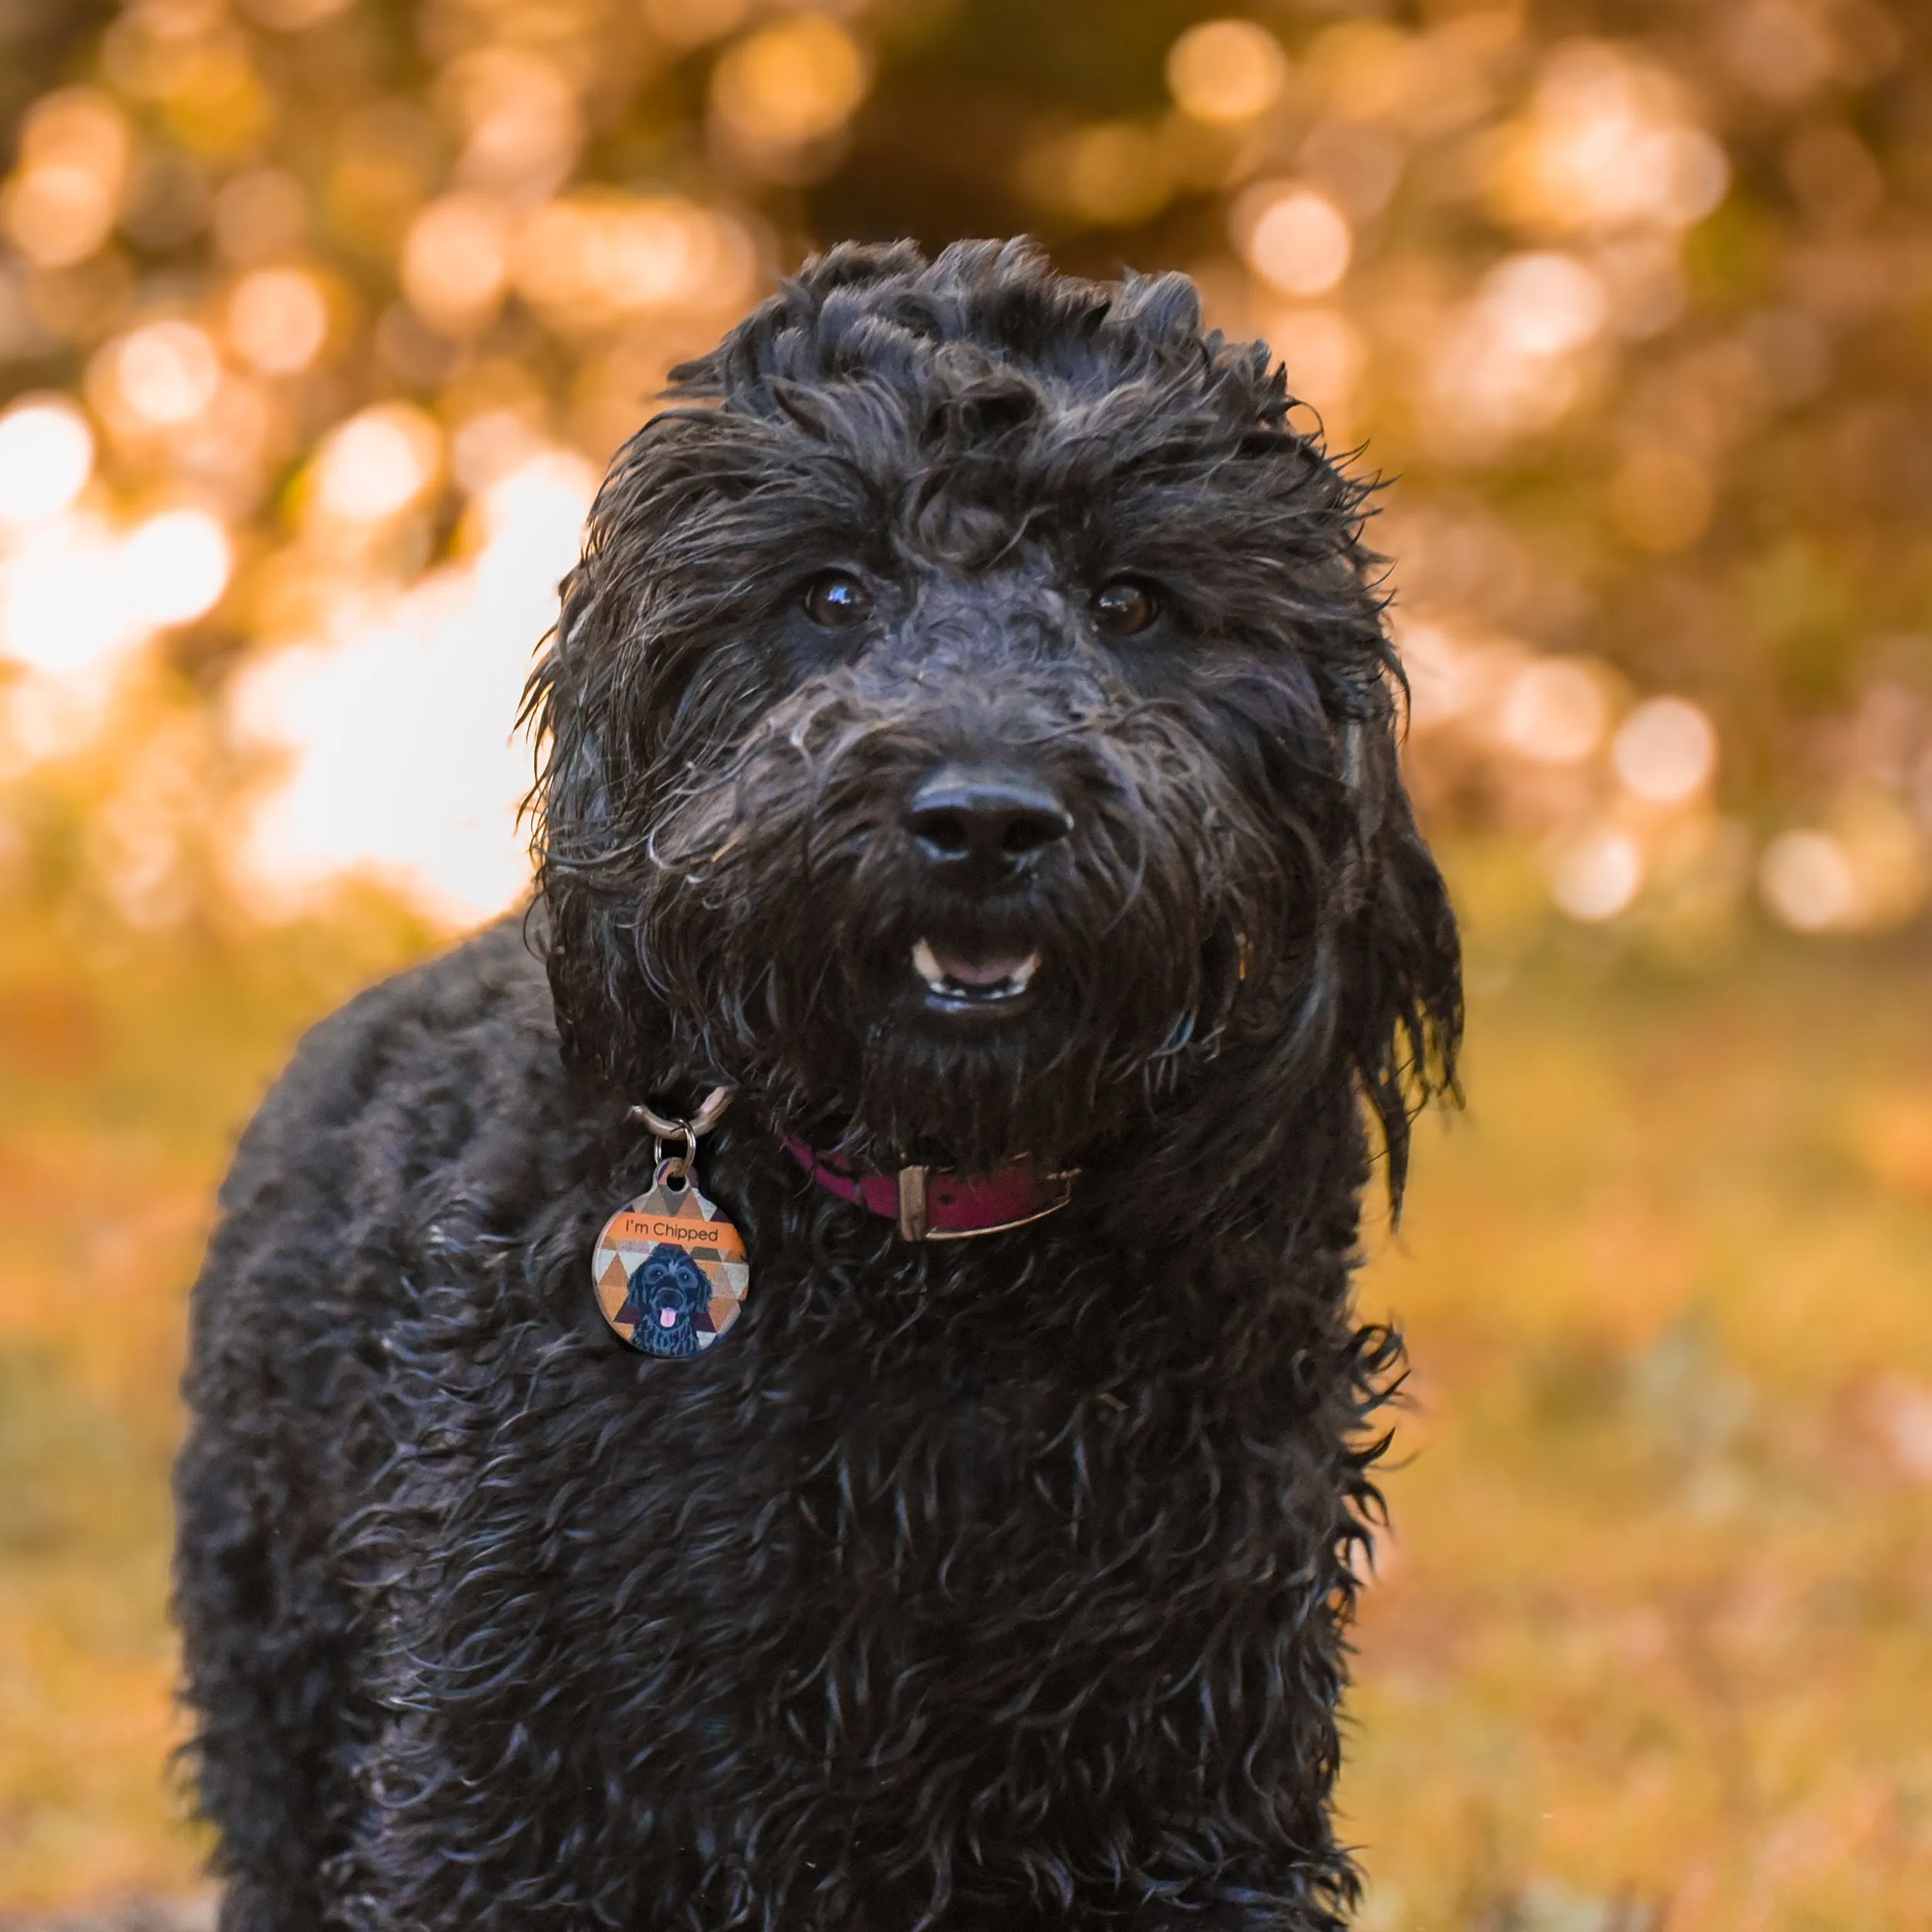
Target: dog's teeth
{"type": "Point", "coordinates": [925, 964]}
{"type": "Point", "coordinates": [928, 965]}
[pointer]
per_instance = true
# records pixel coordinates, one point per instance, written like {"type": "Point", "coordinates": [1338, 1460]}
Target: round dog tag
{"type": "Point", "coordinates": [670, 1270]}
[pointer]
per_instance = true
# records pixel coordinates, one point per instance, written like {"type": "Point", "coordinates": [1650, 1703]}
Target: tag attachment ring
{"type": "Point", "coordinates": [679, 1171]}
{"type": "Point", "coordinates": [711, 1111]}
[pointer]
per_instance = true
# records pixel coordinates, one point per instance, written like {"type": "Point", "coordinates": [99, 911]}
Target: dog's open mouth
{"type": "Point", "coordinates": [958, 981]}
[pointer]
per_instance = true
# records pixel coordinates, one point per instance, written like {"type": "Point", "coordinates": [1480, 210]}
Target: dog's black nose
{"type": "Point", "coordinates": [987, 823]}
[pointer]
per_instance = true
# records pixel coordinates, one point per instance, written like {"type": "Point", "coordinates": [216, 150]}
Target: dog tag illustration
{"type": "Point", "coordinates": [670, 1270]}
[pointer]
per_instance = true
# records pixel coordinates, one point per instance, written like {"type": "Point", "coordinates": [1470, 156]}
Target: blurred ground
{"type": "Point", "coordinates": [1652, 1644]}
{"type": "Point", "coordinates": [1656, 1623]}
{"type": "Point", "coordinates": [193, 1912]}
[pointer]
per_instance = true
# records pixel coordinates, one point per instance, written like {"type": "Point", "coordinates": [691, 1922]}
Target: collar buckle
{"type": "Point", "coordinates": [915, 1213]}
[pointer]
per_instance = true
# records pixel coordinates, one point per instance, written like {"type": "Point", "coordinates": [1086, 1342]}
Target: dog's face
{"type": "Point", "coordinates": [669, 1293]}
{"type": "Point", "coordinates": [971, 730]}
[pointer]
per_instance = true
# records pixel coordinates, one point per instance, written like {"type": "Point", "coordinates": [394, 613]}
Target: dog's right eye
{"type": "Point", "coordinates": [836, 599]}
{"type": "Point", "coordinates": [1124, 606]}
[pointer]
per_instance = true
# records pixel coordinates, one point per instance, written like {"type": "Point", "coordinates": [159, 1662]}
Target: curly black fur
{"type": "Point", "coordinates": [1001, 1582]}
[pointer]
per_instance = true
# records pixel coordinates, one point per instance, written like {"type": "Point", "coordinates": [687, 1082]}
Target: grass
{"type": "Point", "coordinates": [1656, 1623]}
{"type": "Point", "coordinates": [1653, 1635]}
{"type": "Point", "coordinates": [126, 1067]}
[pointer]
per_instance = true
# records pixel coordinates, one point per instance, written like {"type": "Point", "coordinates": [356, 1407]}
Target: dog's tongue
{"type": "Point", "coordinates": [994, 970]}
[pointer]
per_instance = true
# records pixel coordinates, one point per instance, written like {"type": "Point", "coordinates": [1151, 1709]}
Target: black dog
{"type": "Point", "coordinates": [971, 736]}
{"type": "Point", "coordinates": [667, 1294]}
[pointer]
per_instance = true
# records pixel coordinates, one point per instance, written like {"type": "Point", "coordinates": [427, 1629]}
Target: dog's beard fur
{"type": "Point", "coordinates": [1244, 905]}
{"type": "Point", "coordinates": [782, 909]}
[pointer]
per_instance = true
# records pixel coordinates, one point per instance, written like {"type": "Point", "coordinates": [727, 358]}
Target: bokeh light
{"type": "Point", "coordinates": [586, 262]}
{"type": "Point", "coordinates": [1296, 238]}
{"type": "Point", "coordinates": [377, 463]}
{"type": "Point", "coordinates": [1781, 49]}
{"type": "Point", "coordinates": [278, 320]}
{"type": "Point", "coordinates": [1807, 880]}
{"type": "Point", "coordinates": [523, 125]}
{"type": "Point", "coordinates": [175, 565]}
{"type": "Point", "coordinates": [1661, 498]}
{"type": "Point", "coordinates": [692, 23]}
{"type": "Point", "coordinates": [63, 606]}
{"type": "Point", "coordinates": [367, 784]}
{"type": "Point", "coordinates": [1225, 71]}
{"type": "Point", "coordinates": [455, 261]}
{"type": "Point", "coordinates": [791, 83]}
{"type": "Point", "coordinates": [260, 216]}
{"type": "Point", "coordinates": [1554, 712]}
{"type": "Point", "coordinates": [1111, 174]}
{"type": "Point", "coordinates": [1665, 751]}
{"type": "Point", "coordinates": [46, 456]}
{"type": "Point", "coordinates": [1326, 355]}
{"type": "Point", "coordinates": [294, 16]}
{"type": "Point", "coordinates": [1507, 367]}
{"type": "Point", "coordinates": [1832, 173]}
{"type": "Point", "coordinates": [528, 526]}
{"type": "Point", "coordinates": [1543, 304]}
{"type": "Point", "coordinates": [1597, 876]}
{"type": "Point", "coordinates": [486, 447]}
{"type": "Point", "coordinates": [372, 786]}
{"type": "Point", "coordinates": [160, 376]}
{"type": "Point", "coordinates": [60, 203]}
{"type": "Point", "coordinates": [1607, 146]}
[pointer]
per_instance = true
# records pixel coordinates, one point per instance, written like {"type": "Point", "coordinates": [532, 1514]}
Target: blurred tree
{"type": "Point", "coordinates": [1636, 299]}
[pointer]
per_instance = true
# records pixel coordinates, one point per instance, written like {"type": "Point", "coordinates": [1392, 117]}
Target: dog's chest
{"type": "Point", "coordinates": [866, 1586]}
{"type": "Point", "coordinates": [927, 1482]}
{"type": "Point", "coordinates": [964, 1493]}
{"type": "Point", "coordinates": [974, 1509]}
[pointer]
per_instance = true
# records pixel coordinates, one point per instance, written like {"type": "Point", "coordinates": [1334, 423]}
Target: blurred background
{"type": "Point", "coordinates": [318, 322]}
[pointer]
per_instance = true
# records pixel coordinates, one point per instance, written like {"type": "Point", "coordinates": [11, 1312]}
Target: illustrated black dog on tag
{"type": "Point", "coordinates": [669, 1302]}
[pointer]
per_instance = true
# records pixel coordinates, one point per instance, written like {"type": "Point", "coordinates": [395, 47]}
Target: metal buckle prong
{"type": "Point", "coordinates": [915, 1221]}
{"type": "Point", "coordinates": [914, 1218]}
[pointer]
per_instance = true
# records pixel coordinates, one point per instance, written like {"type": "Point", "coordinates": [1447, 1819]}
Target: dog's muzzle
{"type": "Point", "coordinates": [980, 833]}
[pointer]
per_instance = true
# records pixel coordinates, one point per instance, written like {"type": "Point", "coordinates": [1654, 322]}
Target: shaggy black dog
{"type": "Point", "coordinates": [970, 735]}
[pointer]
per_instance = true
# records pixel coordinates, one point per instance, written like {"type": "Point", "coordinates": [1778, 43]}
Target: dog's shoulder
{"type": "Point", "coordinates": [449, 1067]}
{"type": "Point", "coordinates": [486, 999]}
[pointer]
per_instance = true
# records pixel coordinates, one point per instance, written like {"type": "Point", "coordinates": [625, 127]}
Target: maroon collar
{"type": "Point", "coordinates": [943, 1207]}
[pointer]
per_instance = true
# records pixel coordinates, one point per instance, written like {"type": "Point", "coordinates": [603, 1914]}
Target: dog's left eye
{"type": "Point", "coordinates": [836, 599]}
{"type": "Point", "coordinates": [1124, 606]}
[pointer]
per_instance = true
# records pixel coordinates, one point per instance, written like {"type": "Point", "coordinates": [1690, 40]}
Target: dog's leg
{"type": "Point", "coordinates": [267, 1629]}
{"type": "Point", "coordinates": [263, 1649]}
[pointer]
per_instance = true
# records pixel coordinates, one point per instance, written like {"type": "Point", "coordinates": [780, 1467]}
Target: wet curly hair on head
{"type": "Point", "coordinates": [970, 736]}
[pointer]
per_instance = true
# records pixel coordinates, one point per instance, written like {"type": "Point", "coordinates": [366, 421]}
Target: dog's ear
{"type": "Point", "coordinates": [570, 797]}
{"type": "Point", "coordinates": [1400, 954]}
{"type": "Point", "coordinates": [570, 809]}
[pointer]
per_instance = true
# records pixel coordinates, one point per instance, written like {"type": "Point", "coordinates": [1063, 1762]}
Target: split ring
{"type": "Point", "coordinates": [711, 1111]}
